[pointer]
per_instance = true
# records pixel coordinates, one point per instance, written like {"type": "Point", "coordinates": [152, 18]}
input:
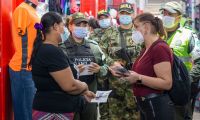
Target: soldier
{"type": "Point", "coordinates": [108, 40]}
{"type": "Point", "coordinates": [121, 105]}
{"type": "Point", "coordinates": [182, 40]}
{"type": "Point", "coordinates": [88, 57]}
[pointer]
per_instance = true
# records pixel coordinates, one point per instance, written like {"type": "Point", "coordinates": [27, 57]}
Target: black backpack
{"type": "Point", "coordinates": [181, 87]}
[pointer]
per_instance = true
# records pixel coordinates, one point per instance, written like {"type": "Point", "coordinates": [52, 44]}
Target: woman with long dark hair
{"type": "Point", "coordinates": [58, 92]}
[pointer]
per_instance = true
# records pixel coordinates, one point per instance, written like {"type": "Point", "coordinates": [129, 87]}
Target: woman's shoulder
{"type": "Point", "coordinates": [49, 50]}
{"type": "Point", "coordinates": [161, 44]}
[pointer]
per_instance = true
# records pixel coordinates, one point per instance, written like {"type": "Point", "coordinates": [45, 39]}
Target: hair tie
{"type": "Point", "coordinates": [38, 26]}
{"type": "Point", "coordinates": [156, 23]}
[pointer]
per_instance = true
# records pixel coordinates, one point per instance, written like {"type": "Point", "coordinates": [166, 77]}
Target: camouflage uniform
{"type": "Point", "coordinates": [89, 112]}
{"type": "Point", "coordinates": [121, 105]}
{"type": "Point", "coordinates": [84, 53]}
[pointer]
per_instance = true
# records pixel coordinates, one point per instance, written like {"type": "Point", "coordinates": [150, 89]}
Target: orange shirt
{"type": "Point", "coordinates": [23, 21]}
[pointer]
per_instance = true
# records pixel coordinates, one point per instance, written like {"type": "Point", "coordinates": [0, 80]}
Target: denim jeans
{"type": "Point", "coordinates": [23, 91]}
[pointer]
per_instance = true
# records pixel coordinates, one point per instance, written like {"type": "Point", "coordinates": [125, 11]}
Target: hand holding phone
{"type": "Point", "coordinates": [122, 71]}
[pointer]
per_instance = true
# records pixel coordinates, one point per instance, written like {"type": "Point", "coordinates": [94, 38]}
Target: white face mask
{"type": "Point", "coordinates": [168, 21]}
{"type": "Point", "coordinates": [137, 37]}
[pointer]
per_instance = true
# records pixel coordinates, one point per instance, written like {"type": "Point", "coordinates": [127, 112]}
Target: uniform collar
{"type": "Point", "coordinates": [121, 29]}
{"type": "Point", "coordinates": [72, 41]}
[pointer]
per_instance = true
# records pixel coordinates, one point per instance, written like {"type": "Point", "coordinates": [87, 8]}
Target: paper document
{"type": "Point", "coordinates": [85, 71]}
{"type": "Point", "coordinates": [101, 96]}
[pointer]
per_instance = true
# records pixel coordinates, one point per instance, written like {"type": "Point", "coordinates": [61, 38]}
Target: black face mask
{"type": "Point", "coordinates": [31, 4]}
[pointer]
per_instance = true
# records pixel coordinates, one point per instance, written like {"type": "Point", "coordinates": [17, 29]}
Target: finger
{"type": "Point", "coordinates": [92, 67]}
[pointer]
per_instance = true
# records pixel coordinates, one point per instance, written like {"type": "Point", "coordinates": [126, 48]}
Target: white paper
{"type": "Point", "coordinates": [101, 96]}
{"type": "Point", "coordinates": [85, 71]}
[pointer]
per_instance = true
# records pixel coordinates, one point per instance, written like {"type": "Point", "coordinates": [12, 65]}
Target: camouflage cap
{"type": "Point", "coordinates": [79, 17]}
{"type": "Point", "coordinates": [172, 7]}
{"type": "Point", "coordinates": [103, 12]}
{"type": "Point", "coordinates": [127, 7]}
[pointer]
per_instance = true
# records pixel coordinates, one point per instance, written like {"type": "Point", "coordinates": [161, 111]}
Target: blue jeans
{"type": "Point", "coordinates": [23, 91]}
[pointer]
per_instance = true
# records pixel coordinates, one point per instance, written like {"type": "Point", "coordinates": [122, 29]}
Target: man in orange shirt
{"type": "Point", "coordinates": [24, 33]}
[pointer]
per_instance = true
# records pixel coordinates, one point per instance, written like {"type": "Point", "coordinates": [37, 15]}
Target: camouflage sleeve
{"type": "Point", "coordinates": [113, 42]}
{"type": "Point", "coordinates": [195, 72]}
{"type": "Point", "coordinates": [104, 67]}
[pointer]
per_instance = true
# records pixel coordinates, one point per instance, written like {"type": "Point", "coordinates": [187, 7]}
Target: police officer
{"type": "Point", "coordinates": [182, 40]}
{"type": "Point", "coordinates": [88, 58]}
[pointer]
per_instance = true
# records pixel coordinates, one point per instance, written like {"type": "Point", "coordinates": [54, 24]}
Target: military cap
{"type": "Point", "coordinates": [127, 7]}
{"type": "Point", "coordinates": [79, 17]}
{"type": "Point", "coordinates": [103, 12]}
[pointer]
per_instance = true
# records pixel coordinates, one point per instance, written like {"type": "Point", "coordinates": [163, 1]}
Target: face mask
{"type": "Point", "coordinates": [168, 22]}
{"type": "Point", "coordinates": [137, 37]}
{"type": "Point", "coordinates": [80, 32]}
{"type": "Point", "coordinates": [65, 35]}
{"type": "Point", "coordinates": [105, 23]}
{"type": "Point", "coordinates": [125, 19]}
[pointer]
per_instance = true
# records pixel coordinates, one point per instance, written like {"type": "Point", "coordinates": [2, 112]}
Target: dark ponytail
{"type": "Point", "coordinates": [37, 43]}
{"type": "Point", "coordinates": [160, 28]}
{"type": "Point", "coordinates": [47, 21]}
{"type": "Point", "coordinates": [157, 24]}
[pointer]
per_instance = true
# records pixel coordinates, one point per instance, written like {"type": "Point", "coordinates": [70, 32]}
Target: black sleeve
{"type": "Point", "coordinates": [54, 59]}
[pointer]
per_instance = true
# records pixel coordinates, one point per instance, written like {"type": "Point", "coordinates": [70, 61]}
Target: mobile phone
{"type": "Point", "coordinates": [122, 71]}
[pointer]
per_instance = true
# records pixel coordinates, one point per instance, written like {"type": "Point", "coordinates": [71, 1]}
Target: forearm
{"type": "Point", "coordinates": [103, 71]}
{"type": "Point", "coordinates": [77, 88]}
{"type": "Point", "coordinates": [156, 83]}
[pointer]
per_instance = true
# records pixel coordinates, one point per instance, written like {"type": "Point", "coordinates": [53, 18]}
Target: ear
{"type": "Point", "coordinates": [55, 27]}
{"type": "Point", "coordinates": [133, 15]}
{"type": "Point", "coordinates": [147, 27]}
{"type": "Point", "coordinates": [178, 18]}
{"type": "Point", "coordinates": [70, 27]}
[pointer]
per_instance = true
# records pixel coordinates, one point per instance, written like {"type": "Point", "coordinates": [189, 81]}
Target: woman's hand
{"type": "Point", "coordinates": [89, 95]}
{"type": "Point", "coordinates": [132, 77]}
{"type": "Point", "coordinates": [94, 68]}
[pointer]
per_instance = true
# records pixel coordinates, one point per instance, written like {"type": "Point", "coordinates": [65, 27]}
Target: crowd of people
{"type": "Point", "coordinates": [60, 63]}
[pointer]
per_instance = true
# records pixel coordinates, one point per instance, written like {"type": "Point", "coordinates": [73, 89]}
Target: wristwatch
{"type": "Point", "coordinates": [139, 81]}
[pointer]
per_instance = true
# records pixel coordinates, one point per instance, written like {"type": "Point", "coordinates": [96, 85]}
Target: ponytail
{"type": "Point", "coordinates": [160, 28]}
{"type": "Point", "coordinates": [37, 43]}
{"type": "Point", "coordinates": [157, 24]}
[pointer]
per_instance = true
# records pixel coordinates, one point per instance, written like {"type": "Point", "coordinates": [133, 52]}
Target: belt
{"type": "Point", "coordinates": [150, 96]}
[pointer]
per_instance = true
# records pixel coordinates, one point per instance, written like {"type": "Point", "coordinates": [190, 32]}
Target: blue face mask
{"type": "Point", "coordinates": [105, 23]}
{"type": "Point", "coordinates": [125, 19]}
{"type": "Point", "coordinates": [65, 35]}
{"type": "Point", "coordinates": [80, 32]}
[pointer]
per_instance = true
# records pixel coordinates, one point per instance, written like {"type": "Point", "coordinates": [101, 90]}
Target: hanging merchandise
{"type": "Point", "coordinates": [55, 6]}
{"type": "Point", "coordinates": [42, 8]}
